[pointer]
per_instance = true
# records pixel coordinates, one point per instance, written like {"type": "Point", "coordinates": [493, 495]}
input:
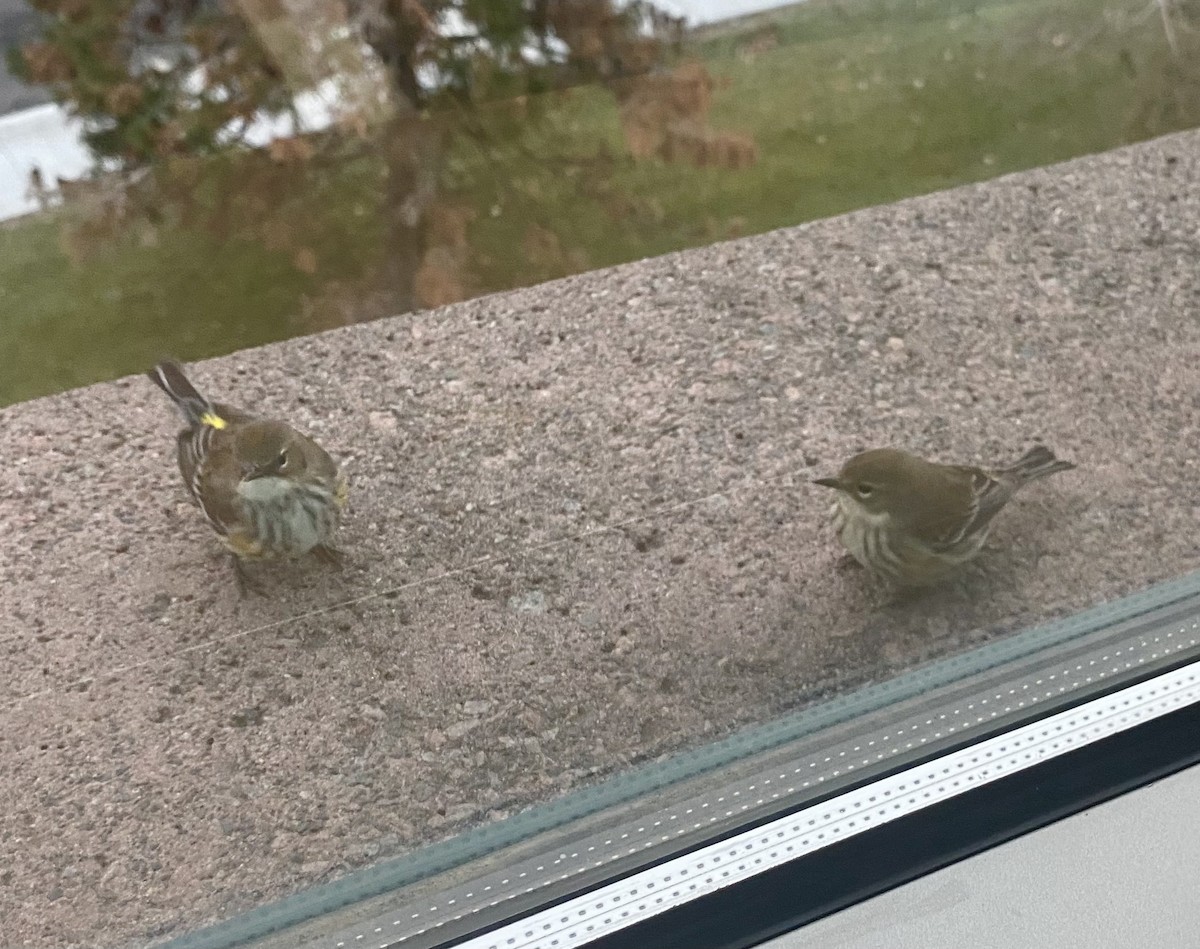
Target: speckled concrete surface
{"type": "Point", "coordinates": [581, 535]}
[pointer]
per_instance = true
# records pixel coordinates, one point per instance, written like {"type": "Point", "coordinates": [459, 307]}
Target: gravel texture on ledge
{"type": "Point", "coordinates": [581, 535]}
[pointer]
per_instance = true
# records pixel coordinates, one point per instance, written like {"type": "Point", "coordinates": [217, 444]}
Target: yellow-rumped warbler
{"type": "Point", "coordinates": [913, 521]}
{"type": "Point", "coordinates": [267, 490]}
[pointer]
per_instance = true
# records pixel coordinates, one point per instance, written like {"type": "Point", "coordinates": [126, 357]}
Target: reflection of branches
{"type": "Point", "coordinates": [603, 159]}
{"type": "Point", "coordinates": [413, 10]}
{"type": "Point", "coordinates": [1170, 98]}
{"type": "Point", "coordinates": [1173, 14]}
{"type": "Point", "coordinates": [1168, 29]}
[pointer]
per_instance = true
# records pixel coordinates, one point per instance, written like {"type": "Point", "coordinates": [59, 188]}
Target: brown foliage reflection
{"type": "Point", "coordinates": [170, 91]}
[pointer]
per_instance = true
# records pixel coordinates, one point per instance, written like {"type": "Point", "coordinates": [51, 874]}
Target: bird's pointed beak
{"type": "Point", "coordinates": [828, 482]}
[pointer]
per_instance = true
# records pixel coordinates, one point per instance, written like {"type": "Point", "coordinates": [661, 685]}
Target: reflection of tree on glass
{"type": "Point", "coordinates": [392, 128]}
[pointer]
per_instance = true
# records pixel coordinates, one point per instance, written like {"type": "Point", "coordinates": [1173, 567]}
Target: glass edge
{"type": "Point", "coordinates": [453, 852]}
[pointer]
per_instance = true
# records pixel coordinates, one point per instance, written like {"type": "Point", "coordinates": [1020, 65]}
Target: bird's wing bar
{"type": "Point", "coordinates": [987, 495]}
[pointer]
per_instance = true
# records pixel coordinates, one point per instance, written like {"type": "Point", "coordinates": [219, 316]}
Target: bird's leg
{"type": "Point", "coordinates": [245, 582]}
{"type": "Point", "coordinates": [330, 555]}
{"type": "Point", "coordinates": [847, 562]}
{"type": "Point", "coordinates": [901, 597]}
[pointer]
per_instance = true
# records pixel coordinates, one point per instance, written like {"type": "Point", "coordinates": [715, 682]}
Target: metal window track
{"type": "Point", "coordinates": [834, 760]}
{"type": "Point", "coordinates": [586, 918]}
{"type": "Point", "coordinates": [586, 849]}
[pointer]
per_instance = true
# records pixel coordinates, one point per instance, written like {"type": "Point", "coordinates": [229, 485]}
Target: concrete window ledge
{"type": "Point", "coordinates": [581, 534]}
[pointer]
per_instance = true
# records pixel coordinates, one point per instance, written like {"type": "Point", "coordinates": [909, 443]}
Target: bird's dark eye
{"type": "Point", "coordinates": [864, 490]}
{"type": "Point", "coordinates": [283, 459]}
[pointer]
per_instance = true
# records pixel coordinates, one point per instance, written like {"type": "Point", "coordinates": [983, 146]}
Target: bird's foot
{"type": "Point", "coordinates": [330, 555]}
{"type": "Point", "coordinates": [246, 584]}
{"type": "Point", "coordinates": [847, 562]}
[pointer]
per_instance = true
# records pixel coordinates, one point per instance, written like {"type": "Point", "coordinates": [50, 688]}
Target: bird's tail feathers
{"type": "Point", "coordinates": [195, 409]}
{"type": "Point", "coordinates": [1038, 462]}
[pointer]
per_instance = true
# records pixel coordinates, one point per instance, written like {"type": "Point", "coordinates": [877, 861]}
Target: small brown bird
{"type": "Point", "coordinates": [267, 490]}
{"type": "Point", "coordinates": [913, 521]}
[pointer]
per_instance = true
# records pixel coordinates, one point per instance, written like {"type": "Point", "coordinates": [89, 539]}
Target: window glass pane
{"type": "Point", "coordinates": [583, 544]}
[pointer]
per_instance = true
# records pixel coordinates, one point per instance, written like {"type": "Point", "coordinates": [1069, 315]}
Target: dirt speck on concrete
{"type": "Point", "coordinates": [581, 535]}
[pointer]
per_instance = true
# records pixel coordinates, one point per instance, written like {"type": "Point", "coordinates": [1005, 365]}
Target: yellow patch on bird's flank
{"type": "Point", "coordinates": [341, 493]}
{"type": "Point", "coordinates": [212, 420]}
{"type": "Point", "coordinates": [242, 545]}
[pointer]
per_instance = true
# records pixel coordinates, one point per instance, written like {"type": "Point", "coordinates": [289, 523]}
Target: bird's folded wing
{"type": "Point", "coordinates": [967, 503]}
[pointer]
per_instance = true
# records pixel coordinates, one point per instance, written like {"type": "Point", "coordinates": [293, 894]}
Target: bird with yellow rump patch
{"type": "Point", "coordinates": [267, 490]}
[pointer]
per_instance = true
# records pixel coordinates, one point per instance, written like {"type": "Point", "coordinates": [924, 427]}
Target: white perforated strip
{"type": "Point", "coordinates": [418, 921]}
{"type": "Point", "coordinates": [648, 893]}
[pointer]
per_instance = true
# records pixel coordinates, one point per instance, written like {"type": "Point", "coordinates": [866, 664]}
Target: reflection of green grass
{"type": "Point", "coordinates": [65, 326]}
{"type": "Point", "coordinates": [860, 102]}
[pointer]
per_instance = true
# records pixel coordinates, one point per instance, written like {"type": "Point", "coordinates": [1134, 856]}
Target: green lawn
{"type": "Point", "coordinates": [67, 325]}
{"type": "Point", "coordinates": [858, 103]}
